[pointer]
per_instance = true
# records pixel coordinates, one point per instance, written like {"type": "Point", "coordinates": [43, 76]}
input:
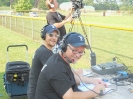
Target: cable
{"type": "Point", "coordinates": [123, 64]}
{"type": "Point", "coordinates": [84, 84]}
{"type": "Point", "coordinates": [120, 82]}
{"type": "Point", "coordinates": [111, 90]}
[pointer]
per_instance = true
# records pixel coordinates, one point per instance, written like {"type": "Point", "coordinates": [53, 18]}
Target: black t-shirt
{"type": "Point", "coordinates": [55, 79]}
{"type": "Point", "coordinates": [56, 17]}
{"type": "Point", "coordinates": [40, 57]}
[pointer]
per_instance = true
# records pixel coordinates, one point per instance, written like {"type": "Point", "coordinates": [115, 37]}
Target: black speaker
{"type": "Point", "coordinates": [43, 34]}
{"type": "Point", "coordinates": [64, 43]}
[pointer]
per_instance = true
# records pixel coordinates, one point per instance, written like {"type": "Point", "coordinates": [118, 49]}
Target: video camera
{"type": "Point", "coordinates": [77, 5]}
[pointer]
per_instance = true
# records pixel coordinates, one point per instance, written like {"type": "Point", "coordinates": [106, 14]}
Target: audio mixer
{"type": "Point", "coordinates": [108, 68]}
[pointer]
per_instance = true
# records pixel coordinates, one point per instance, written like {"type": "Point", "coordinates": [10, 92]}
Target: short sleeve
{"type": "Point", "coordinates": [61, 82]}
{"type": "Point", "coordinates": [50, 18]}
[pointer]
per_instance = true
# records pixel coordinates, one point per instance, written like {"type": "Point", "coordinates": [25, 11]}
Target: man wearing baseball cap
{"type": "Point", "coordinates": [58, 81]}
{"type": "Point", "coordinates": [50, 35]}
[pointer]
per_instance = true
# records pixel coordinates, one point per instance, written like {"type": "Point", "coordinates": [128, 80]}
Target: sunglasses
{"type": "Point", "coordinates": [55, 35]}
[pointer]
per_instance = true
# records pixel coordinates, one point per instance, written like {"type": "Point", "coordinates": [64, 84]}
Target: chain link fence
{"type": "Point", "coordinates": [106, 41]}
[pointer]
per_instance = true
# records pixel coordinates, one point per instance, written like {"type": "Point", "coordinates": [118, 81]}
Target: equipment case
{"type": "Point", "coordinates": [16, 76]}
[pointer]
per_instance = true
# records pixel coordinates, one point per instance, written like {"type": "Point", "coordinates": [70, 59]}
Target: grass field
{"type": "Point", "coordinates": [121, 21]}
{"type": "Point", "coordinates": [105, 42]}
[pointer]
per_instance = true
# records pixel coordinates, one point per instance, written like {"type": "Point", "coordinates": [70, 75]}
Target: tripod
{"type": "Point", "coordinates": [76, 14]}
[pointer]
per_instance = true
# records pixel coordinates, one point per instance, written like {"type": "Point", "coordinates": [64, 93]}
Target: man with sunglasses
{"type": "Point", "coordinates": [58, 81]}
{"type": "Point", "coordinates": [50, 35]}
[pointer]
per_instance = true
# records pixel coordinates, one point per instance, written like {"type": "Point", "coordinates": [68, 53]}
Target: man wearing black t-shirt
{"type": "Point", "coordinates": [58, 81]}
{"type": "Point", "coordinates": [49, 34]}
{"type": "Point", "coordinates": [57, 19]}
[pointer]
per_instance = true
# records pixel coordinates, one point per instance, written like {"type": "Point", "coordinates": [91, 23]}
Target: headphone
{"type": "Point", "coordinates": [63, 43]}
{"type": "Point", "coordinates": [43, 34]}
{"type": "Point", "coordinates": [51, 5]}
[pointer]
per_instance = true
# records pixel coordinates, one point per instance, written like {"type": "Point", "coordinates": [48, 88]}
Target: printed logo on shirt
{"type": "Point", "coordinates": [44, 67]}
{"type": "Point", "coordinates": [59, 16]}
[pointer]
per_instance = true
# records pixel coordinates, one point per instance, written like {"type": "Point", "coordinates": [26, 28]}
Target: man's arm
{"type": "Point", "coordinates": [69, 13]}
{"type": "Point", "coordinates": [83, 95]}
{"type": "Point", "coordinates": [78, 75]}
{"type": "Point", "coordinates": [60, 24]}
{"type": "Point", "coordinates": [67, 19]}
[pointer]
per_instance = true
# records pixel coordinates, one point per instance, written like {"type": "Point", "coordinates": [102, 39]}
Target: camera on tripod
{"type": "Point", "coordinates": [77, 5]}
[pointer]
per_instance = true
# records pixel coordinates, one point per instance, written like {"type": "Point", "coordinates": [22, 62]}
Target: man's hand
{"type": "Point", "coordinates": [98, 81]}
{"type": "Point", "coordinates": [99, 89]}
{"type": "Point", "coordinates": [69, 19]}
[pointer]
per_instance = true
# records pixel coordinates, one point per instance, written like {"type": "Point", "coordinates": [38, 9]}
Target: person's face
{"type": "Point", "coordinates": [51, 39]}
{"type": "Point", "coordinates": [75, 54]}
{"type": "Point", "coordinates": [55, 3]}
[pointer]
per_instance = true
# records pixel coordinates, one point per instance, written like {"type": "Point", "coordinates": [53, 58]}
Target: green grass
{"type": "Point", "coordinates": [121, 21]}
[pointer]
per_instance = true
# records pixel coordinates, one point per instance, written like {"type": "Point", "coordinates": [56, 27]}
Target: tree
{"type": "Point", "coordinates": [88, 2]}
{"type": "Point", "coordinates": [127, 2]}
{"type": "Point", "coordinates": [60, 1]}
{"type": "Point", "coordinates": [22, 6]}
{"type": "Point", "coordinates": [127, 5]}
{"type": "Point", "coordinates": [41, 5]}
{"type": "Point", "coordinates": [106, 6]}
{"type": "Point", "coordinates": [4, 2]}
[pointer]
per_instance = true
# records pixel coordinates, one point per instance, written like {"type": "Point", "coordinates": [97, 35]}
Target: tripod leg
{"type": "Point", "coordinates": [72, 24]}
